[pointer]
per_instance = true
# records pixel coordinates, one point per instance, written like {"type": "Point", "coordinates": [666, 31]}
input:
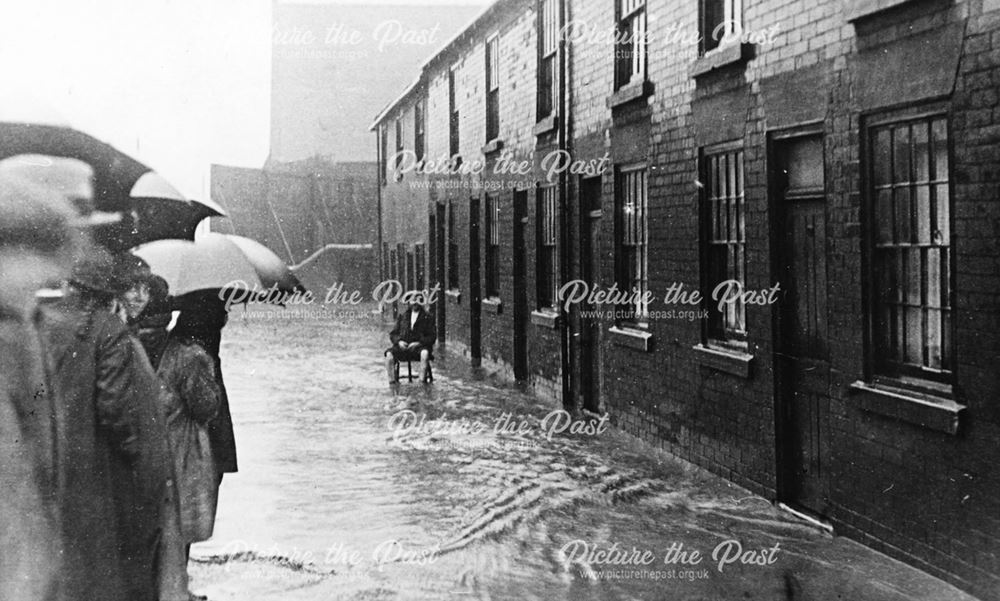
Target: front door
{"type": "Point", "coordinates": [803, 365]}
{"type": "Point", "coordinates": [475, 294]}
{"type": "Point", "coordinates": [521, 313]}
{"type": "Point", "coordinates": [438, 226]}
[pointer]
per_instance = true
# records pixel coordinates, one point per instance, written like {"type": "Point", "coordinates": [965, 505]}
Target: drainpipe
{"type": "Point", "coordinates": [562, 133]}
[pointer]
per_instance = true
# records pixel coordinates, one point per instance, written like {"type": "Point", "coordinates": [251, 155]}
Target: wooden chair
{"type": "Point", "coordinates": [409, 371]}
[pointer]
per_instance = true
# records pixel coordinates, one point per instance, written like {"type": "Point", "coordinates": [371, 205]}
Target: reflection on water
{"type": "Point", "coordinates": [463, 489]}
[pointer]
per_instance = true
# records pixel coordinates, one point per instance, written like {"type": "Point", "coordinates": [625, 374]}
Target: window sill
{"type": "Point", "coordinates": [723, 56]}
{"type": "Point", "coordinates": [545, 318]}
{"type": "Point", "coordinates": [728, 361]}
{"type": "Point", "coordinates": [632, 338]}
{"type": "Point", "coordinates": [860, 9]}
{"type": "Point", "coordinates": [453, 296]}
{"type": "Point", "coordinates": [545, 125]}
{"type": "Point", "coordinates": [493, 305]}
{"type": "Point", "coordinates": [929, 411]}
{"type": "Point", "coordinates": [492, 146]}
{"type": "Point", "coordinates": [629, 93]}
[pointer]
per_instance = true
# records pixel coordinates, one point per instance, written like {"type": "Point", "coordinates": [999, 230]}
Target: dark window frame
{"type": "Point", "coordinates": [548, 46]}
{"type": "Point", "coordinates": [454, 139]}
{"type": "Point", "coordinates": [631, 49]}
{"type": "Point", "coordinates": [492, 56]}
{"type": "Point", "coordinates": [709, 20]}
{"type": "Point", "coordinates": [420, 128]}
{"type": "Point", "coordinates": [491, 225]}
{"type": "Point", "coordinates": [726, 330]}
{"type": "Point", "coordinates": [547, 247]}
{"type": "Point", "coordinates": [399, 143]}
{"type": "Point", "coordinates": [881, 360]}
{"type": "Point", "coordinates": [632, 240]}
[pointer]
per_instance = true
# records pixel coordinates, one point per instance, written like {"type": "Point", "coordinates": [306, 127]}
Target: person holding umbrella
{"type": "Point", "coordinates": [194, 400]}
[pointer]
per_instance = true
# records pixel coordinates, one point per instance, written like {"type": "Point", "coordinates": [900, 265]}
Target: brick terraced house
{"type": "Point", "coordinates": [825, 177]}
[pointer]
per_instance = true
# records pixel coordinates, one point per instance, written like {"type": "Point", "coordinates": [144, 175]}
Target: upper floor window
{"type": "Point", "coordinates": [453, 140]}
{"type": "Point", "coordinates": [383, 146]}
{"type": "Point", "coordinates": [492, 245]}
{"type": "Point", "coordinates": [911, 254]}
{"type": "Point", "coordinates": [548, 26]}
{"type": "Point", "coordinates": [719, 20]}
{"type": "Point", "coordinates": [419, 123]}
{"type": "Point", "coordinates": [493, 88]}
{"type": "Point", "coordinates": [547, 285]}
{"type": "Point", "coordinates": [630, 49]}
{"type": "Point", "coordinates": [399, 143]}
{"type": "Point", "coordinates": [632, 233]}
{"type": "Point", "coordinates": [724, 241]}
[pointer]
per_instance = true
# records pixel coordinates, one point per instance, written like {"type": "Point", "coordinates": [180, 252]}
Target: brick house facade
{"type": "Point", "coordinates": [843, 151]}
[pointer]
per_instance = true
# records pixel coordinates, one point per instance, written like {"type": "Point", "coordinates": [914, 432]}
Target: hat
{"type": "Point", "coordinates": [32, 217]}
{"type": "Point", "coordinates": [97, 272]}
{"type": "Point", "coordinates": [132, 269]}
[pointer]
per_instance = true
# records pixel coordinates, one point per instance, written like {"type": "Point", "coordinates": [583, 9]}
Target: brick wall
{"type": "Point", "coordinates": [920, 493]}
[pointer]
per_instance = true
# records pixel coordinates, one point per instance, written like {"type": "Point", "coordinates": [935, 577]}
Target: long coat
{"type": "Point", "coordinates": [29, 536]}
{"type": "Point", "coordinates": [193, 400]}
{"type": "Point", "coordinates": [108, 507]}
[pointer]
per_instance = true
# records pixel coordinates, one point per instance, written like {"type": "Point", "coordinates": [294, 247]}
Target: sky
{"type": "Point", "coordinates": [179, 84]}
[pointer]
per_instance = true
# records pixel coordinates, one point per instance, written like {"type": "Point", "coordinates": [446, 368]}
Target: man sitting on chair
{"type": "Point", "coordinates": [413, 339]}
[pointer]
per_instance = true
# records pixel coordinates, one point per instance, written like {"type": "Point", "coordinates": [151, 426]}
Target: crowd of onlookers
{"type": "Point", "coordinates": [115, 426]}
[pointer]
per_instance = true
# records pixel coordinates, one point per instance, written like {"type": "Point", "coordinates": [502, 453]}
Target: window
{"type": "Point", "coordinates": [419, 122]}
{"type": "Point", "coordinates": [719, 19]}
{"type": "Point", "coordinates": [547, 45]}
{"type": "Point", "coordinates": [393, 266]}
{"type": "Point", "coordinates": [724, 241]}
{"type": "Point", "coordinates": [630, 47]}
{"type": "Point", "coordinates": [399, 143]}
{"type": "Point", "coordinates": [492, 89]}
{"type": "Point", "coordinates": [492, 245]}
{"type": "Point", "coordinates": [453, 140]}
{"type": "Point", "coordinates": [546, 263]}
{"type": "Point", "coordinates": [631, 201]}
{"type": "Point", "coordinates": [452, 248]}
{"type": "Point", "coordinates": [911, 249]}
{"type": "Point", "coordinates": [383, 151]}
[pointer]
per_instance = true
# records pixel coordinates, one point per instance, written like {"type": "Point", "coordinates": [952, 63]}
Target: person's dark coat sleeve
{"type": "Point", "coordinates": [114, 399]}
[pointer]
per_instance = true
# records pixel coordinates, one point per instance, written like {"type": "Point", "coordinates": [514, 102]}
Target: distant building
{"type": "Point", "coordinates": [843, 151]}
{"type": "Point", "coordinates": [315, 201]}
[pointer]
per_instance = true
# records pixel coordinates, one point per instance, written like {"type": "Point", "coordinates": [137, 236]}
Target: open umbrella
{"type": "Point", "coordinates": [210, 263]}
{"type": "Point", "coordinates": [273, 272]}
{"type": "Point", "coordinates": [30, 128]}
{"type": "Point", "coordinates": [163, 212]}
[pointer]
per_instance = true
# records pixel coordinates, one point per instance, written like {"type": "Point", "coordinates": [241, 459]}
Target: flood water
{"type": "Point", "coordinates": [344, 494]}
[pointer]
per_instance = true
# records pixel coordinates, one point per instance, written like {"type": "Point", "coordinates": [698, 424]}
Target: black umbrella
{"type": "Point", "coordinates": [162, 212]}
{"type": "Point", "coordinates": [115, 173]}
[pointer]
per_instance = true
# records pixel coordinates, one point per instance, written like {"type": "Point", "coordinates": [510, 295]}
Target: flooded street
{"type": "Point", "coordinates": [466, 489]}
